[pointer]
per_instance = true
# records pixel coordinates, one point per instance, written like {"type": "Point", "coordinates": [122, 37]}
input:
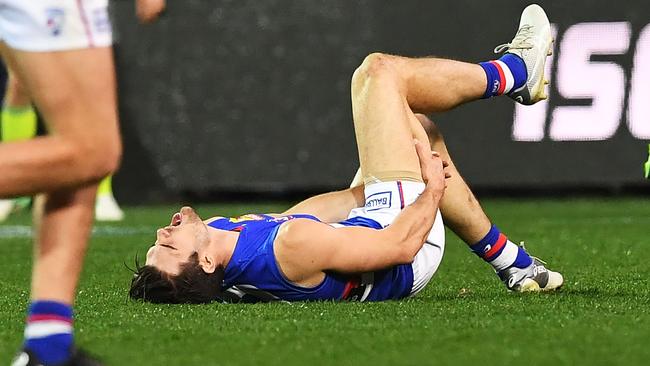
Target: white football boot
{"type": "Point", "coordinates": [533, 43]}
{"type": "Point", "coordinates": [6, 208]}
{"type": "Point", "coordinates": [534, 278]}
{"type": "Point", "coordinates": [107, 209]}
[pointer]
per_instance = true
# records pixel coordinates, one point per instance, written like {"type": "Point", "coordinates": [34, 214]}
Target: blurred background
{"type": "Point", "coordinates": [221, 99]}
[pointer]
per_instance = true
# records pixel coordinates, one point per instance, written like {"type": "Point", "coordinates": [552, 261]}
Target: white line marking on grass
{"type": "Point", "coordinates": [25, 231]}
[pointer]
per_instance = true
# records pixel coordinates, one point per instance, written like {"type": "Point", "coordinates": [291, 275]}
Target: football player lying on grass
{"type": "Point", "coordinates": [384, 237]}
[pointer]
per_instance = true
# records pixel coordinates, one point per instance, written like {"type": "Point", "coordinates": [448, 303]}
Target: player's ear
{"type": "Point", "coordinates": [207, 263]}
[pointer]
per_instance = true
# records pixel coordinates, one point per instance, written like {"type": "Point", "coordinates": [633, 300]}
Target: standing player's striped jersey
{"type": "Point", "coordinates": [253, 269]}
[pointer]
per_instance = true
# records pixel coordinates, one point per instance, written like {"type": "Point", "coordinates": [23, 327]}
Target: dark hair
{"type": "Point", "coordinates": [192, 284]}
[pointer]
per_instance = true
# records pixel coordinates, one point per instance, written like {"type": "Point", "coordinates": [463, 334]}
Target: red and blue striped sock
{"type": "Point", "coordinates": [501, 253]}
{"type": "Point", "coordinates": [49, 331]}
{"type": "Point", "coordinates": [504, 75]}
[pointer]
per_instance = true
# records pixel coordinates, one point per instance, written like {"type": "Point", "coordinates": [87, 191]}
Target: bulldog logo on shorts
{"type": "Point", "coordinates": [55, 18]}
{"type": "Point", "coordinates": [378, 201]}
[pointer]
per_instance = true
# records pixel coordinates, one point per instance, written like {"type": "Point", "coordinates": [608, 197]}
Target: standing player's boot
{"type": "Point", "coordinates": [79, 358]}
{"type": "Point", "coordinates": [12, 205]}
{"type": "Point", "coordinates": [107, 209]}
{"type": "Point", "coordinates": [532, 44]}
{"type": "Point", "coordinates": [533, 278]}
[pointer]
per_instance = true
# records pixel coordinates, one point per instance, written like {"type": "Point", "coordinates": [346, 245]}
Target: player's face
{"type": "Point", "coordinates": [175, 243]}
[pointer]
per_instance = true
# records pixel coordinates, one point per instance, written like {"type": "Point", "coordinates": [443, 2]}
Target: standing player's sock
{"type": "Point", "coordinates": [105, 187]}
{"type": "Point", "coordinates": [504, 75]}
{"type": "Point", "coordinates": [18, 123]}
{"type": "Point", "coordinates": [49, 331]}
{"type": "Point", "coordinates": [501, 253]}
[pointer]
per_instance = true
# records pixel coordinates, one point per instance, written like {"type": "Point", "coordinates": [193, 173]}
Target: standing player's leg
{"type": "Point", "coordinates": [79, 148]}
{"type": "Point", "coordinates": [75, 93]}
{"type": "Point", "coordinates": [18, 122]}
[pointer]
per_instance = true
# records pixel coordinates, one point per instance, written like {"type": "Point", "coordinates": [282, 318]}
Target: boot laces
{"type": "Point", "coordinates": [520, 42]}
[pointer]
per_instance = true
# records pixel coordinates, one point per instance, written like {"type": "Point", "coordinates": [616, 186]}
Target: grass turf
{"type": "Point", "coordinates": [464, 316]}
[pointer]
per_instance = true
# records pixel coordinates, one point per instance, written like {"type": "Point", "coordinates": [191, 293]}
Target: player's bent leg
{"type": "Point", "coordinates": [386, 90]}
{"type": "Point", "coordinates": [19, 123]}
{"type": "Point", "coordinates": [385, 127]}
{"type": "Point", "coordinates": [83, 145]}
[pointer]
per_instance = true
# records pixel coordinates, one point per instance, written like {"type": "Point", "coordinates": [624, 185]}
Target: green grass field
{"type": "Point", "coordinates": [465, 316]}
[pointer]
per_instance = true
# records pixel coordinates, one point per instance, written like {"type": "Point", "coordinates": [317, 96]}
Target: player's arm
{"type": "Point", "coordinates": [304, 247]}
{"type": "Point", "coordinates": [331, 206]}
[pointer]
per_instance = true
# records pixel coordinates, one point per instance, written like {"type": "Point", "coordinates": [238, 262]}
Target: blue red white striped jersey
{"type": "Point", "coordinates": [253, 266]}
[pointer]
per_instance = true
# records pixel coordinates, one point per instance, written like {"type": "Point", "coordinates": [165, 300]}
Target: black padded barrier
{"type": "Point", "coordinates": [249, 95]}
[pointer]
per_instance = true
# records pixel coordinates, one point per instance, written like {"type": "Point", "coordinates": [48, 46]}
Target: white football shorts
{"type": "Point", "coordinates": [55, 25]}
{"type": "Point", "coordinates": [384, 201]}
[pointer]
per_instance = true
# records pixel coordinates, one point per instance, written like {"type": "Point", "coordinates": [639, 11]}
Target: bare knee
{"type": "Point", "coordinates": [95, 158]}
{"type": "Point", "coordinates": [375, 63]}
{"type": "Point", "coordinates": [104, 158]}
{"type": "Point", "coordinates": [432, 131]}
{"type": "Point", "coordinates": [88, 133]}
{"type": "Point", "coordinates": [376, 66]}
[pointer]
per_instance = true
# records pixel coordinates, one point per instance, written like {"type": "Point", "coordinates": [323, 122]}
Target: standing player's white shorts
{"type": "Point", "coordinates": [54, 25]}
{"type": "Point", "coordinates": [384, 201]}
